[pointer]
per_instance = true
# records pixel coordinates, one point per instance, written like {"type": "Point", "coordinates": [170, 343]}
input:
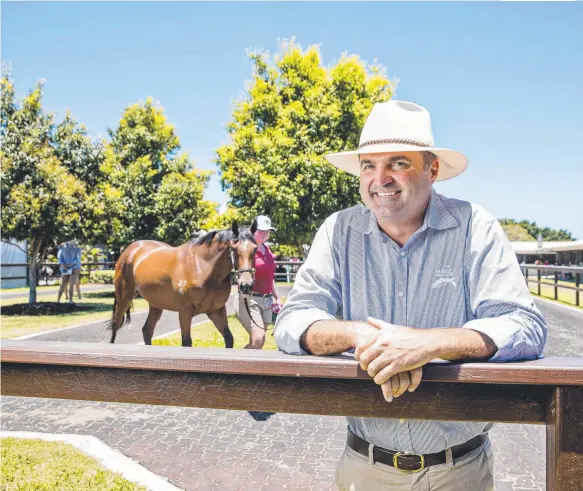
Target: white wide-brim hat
{"type": "Point", "coordinates": [399, 126]}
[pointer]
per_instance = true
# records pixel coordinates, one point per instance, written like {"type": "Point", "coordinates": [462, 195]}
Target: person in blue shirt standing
{"type": "Point", "coordinates": [404, 278]}
{"type": "Point", "coordinates": [69, 258]}
{"type": "Point", "coordinates": [76, 276]}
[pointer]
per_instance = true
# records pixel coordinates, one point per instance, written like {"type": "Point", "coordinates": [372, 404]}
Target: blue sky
{"type": "Point", "coordinates": [503, 81]}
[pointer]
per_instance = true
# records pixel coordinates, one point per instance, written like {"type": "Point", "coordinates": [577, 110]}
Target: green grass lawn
{"type": "Point", "coordinates": [40, 465]}
{"type": "Point", "coordinates": [100, 303]}
{"type": "Point", "coordinates": [206, 336]}
{"type": "Point", "coordinates": [564, 296]}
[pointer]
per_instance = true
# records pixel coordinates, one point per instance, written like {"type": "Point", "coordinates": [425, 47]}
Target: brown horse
{"type": "Point", "coordinates": [191, 279]}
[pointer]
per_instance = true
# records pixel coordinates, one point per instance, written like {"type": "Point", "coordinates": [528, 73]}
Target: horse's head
{"type": "Point", "coordinates": [243, 256]}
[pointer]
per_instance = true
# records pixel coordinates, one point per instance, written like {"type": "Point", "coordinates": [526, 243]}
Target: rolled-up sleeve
{"type": "Point", "coordinates": [316, 294]}
{"type": "Point", "coordinates": [502, 306]}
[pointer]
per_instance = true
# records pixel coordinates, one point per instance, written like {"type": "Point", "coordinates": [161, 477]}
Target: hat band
{"type": "Point", "coordinates": [394, 140]}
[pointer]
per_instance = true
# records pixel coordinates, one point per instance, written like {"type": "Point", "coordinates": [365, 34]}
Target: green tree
{"type": "Point", "coordinates": [525, 230]}
{"type": "Point", "coordinates": [154, 189]}
{"type": "Point", "coordinates": [42, 201]}
{"type": "Point", "coordinates": [220, 221]}
{"type": "Point", "coordinates": [516, 232]}
{"type": "Point", "coordinates": [295, 111]}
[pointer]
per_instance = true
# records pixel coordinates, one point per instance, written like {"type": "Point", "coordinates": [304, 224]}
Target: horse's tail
{"type": "Point", "coordinates": [128, 316]}
{"type": "Point", "coordinates": [120, 285]}
{"type": "Point", "coordinates": [110, 322]}
{"type": "Point", "coordinates": [126, 319]}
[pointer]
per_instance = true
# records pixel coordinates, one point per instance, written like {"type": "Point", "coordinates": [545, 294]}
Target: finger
{"type": "Point", "coordinates": [416, 375]}
{"type": "Point", "coordinates": [404, 382]}
{"type": "Point", "coordinates": [387, 391]}
{"type": "Point", "coordinates": [362, 346]}
{"type": "Point", "coordinates": [380, 362]}
{"type": "Point", "coordinates": [368, 355]}
{"type": "Point", "coordinates": [375, 322]}
{"type": "Point", "coordinates": [389, 370]}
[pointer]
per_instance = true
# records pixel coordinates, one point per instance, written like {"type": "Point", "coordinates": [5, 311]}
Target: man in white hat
{"type": "Point", "coordinates": [408, 277]}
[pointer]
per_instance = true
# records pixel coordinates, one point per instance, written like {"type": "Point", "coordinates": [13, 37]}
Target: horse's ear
{"type": "Point", "coordinates": [235, 229]}
{"type": "Point", "coordinates": [254, 227]}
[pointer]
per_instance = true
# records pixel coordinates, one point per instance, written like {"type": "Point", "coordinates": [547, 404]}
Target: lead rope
{"type": "Point", "coordinates": [234, 280]}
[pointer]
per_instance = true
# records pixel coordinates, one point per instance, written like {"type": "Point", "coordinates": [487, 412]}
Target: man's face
{"type": "Point", "coordinates": [396, 184]}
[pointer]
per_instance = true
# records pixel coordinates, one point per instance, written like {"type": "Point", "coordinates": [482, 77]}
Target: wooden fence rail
{"type": "Point", "coordinates": [86, 268]}
{"type": "Point", "coordinates": [547, 391]}
{"type": "Point", "coordinates": [543, 270]}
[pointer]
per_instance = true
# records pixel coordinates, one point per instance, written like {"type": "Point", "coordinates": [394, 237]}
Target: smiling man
{"type": "Point", "coordinates": [409, 277]}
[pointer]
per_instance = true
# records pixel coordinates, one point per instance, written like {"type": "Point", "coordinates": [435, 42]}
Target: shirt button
{"type": "Point", "coordinates": [402, 254]}
{"type": "Point", "coordinates": [401, 294]}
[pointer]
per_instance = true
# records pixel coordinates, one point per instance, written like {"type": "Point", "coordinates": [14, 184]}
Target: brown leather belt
{"type": "Point", "coordinates": [410, 463]}
{"type": "Point", "coordinates": [261, 295]}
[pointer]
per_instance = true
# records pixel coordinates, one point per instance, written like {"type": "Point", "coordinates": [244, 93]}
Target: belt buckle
{"type": "Point", "coordinates": [407, 471]}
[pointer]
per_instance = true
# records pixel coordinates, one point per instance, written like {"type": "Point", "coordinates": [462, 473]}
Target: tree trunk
{"type": "Point", "coordinates": [35, 245]}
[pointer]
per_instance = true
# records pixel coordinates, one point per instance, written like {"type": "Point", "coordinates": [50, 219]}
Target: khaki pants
{"type": "Point", "coordinates": [256, 325]}
{"type": "Point", "coordinates": [472, 472]}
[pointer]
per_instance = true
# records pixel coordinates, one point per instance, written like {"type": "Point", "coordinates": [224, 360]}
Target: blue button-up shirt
{"type": "Point", "coordinates": [457, 270]}
{"type": "Point", "coordinates": [69, 255]}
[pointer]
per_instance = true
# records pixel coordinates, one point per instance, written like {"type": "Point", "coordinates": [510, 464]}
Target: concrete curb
{"type": "Point", "coordinates": [110, 458]}
{"type": "Point", "coordinates": [559, 304]}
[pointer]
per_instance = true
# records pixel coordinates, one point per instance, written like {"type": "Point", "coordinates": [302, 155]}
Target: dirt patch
{"type": "Point", "coordinates": [45, 308]}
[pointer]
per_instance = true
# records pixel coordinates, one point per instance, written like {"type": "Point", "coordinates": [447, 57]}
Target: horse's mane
{"type": "Point", "coordinates": [224, 236]}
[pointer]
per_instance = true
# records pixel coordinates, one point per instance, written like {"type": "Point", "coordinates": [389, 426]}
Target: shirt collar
{"type": "Point", "coordinates": [438, 216]}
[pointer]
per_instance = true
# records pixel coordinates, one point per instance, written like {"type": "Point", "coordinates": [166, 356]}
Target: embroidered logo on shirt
{"type": "Point", "coordinates": [444, 277]}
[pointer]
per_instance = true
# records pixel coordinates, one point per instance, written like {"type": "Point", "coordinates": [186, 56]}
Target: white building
{"type": "Point", "coordinates": [563, 253]}
{"type": "Point", "coordinates": [13, 276]}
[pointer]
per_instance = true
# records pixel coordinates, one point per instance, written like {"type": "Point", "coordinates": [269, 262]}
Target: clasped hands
{"type": "Point", "coordinates": [393, 355]}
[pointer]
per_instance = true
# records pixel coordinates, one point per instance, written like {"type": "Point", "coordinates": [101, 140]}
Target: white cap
{"type": "Point", "coordinates": [264, 223]}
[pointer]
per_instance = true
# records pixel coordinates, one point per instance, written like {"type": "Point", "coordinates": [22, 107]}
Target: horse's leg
{"type": "Point", "coordinates": [219, 318]}
{"type": "Point", "coordinates": [153, 318]}
{"type": "Point", "coordinates": [185, 318]}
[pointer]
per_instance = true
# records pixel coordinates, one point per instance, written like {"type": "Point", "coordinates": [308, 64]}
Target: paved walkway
{"type": "Point", "coordinates": [207, 449]}
{"type": "Point", "coordinates": [98, 332]}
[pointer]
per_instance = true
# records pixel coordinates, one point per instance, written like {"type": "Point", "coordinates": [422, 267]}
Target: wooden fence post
{"type": "Point", "coordinates": [565, 440]}
{"type": "Point", "coordinates": [577, 283]}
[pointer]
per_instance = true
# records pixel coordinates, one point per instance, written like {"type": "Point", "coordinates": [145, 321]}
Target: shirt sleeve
{"type": "Point", "coordinates": [60, 258]}
{"type": "Point", "coordinates": [502, 306]}
{"type": "Point", "coordinates": [316, 294]}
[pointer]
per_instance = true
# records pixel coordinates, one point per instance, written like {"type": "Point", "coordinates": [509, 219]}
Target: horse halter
{"type": "Point", "coordinates": [236, 273]}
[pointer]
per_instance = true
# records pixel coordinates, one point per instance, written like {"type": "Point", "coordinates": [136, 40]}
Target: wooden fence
{"type": "Point", "coordinates": [282, 273]}
{"type": "Point", "coordinates": [547, 391]}
{"type": "Point", "coordinates": [542, 271]}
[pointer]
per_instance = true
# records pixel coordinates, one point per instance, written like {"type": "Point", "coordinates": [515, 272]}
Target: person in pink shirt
{"type": "Point", "coordinates": [256, 315]}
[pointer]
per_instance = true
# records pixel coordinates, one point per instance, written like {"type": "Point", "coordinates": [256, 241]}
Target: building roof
{"type": "Point", "coordinates": [549, 247]}
{"type": "Point", "coordinates": [573, 245]}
